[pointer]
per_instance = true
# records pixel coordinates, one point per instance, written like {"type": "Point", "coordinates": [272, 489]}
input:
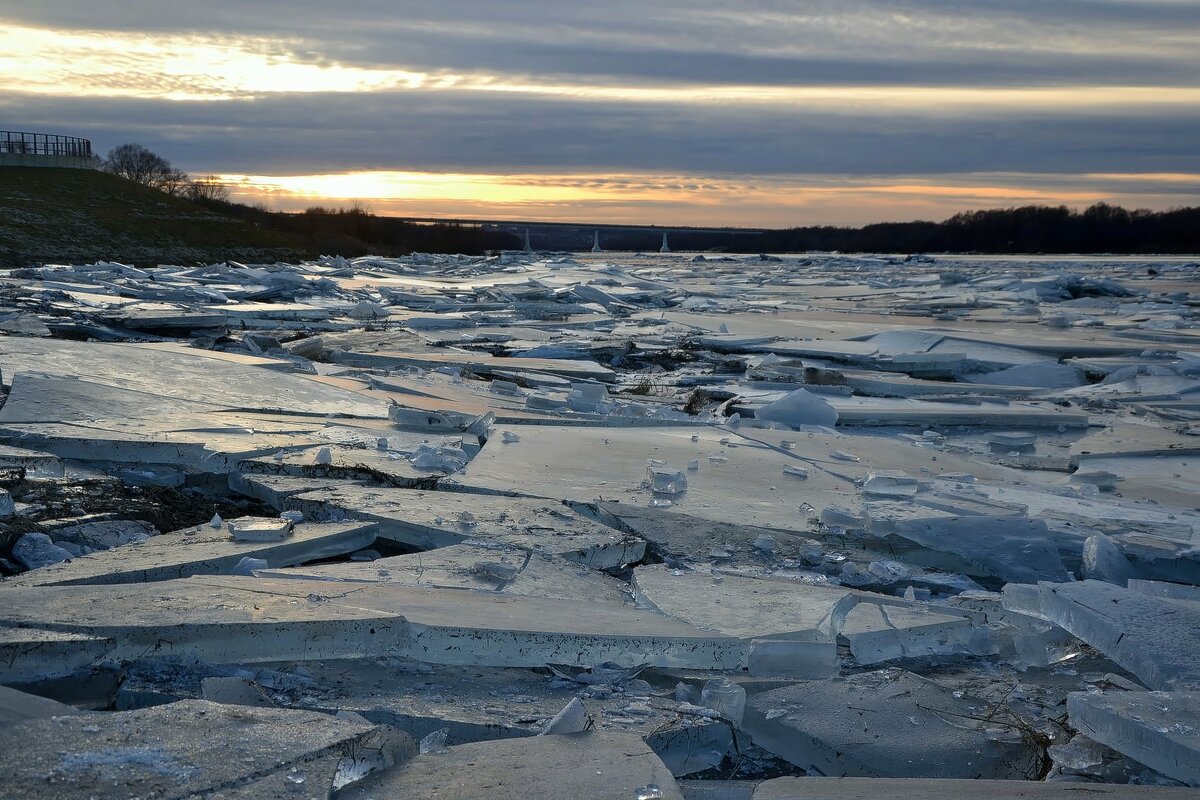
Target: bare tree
{"type": "Point", "coordinates": [175, 183]}
{"type": "Point", "coordinates": [207, 188]}
{"type": "Point", "coordinates": [136, 163]}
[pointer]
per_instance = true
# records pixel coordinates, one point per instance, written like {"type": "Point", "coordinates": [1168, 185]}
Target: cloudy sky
{"type": "Point", "coordinates": [726, 112]}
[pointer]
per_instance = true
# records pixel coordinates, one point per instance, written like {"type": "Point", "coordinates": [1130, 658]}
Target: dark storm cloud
{"type": "Point", "coordinates": [912, 42]}
{"type": "Point", "coordinates": [472, 132]}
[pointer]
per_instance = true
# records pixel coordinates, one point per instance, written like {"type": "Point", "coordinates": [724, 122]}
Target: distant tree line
{"type": "Point", "coordinates": [1102, 228]}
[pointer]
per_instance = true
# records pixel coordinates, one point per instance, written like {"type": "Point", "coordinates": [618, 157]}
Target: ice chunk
{"type": "Point", "coordinates": [1104, 561]}
{"type": "Point", "coordinates": [507, 388]}
{"type": "Point", "coordinates": [879, 633]}
{"type": "Point", "coordinates": [666, 481]}
{"type": "Point", "coordinates": [419, 420]}
{"type": "Point", "coordinates": [7, 506]}
{"type": "Point", "coordinates": [234, 691]}
{"type": "Point", "coordinates": [434, 742]}
{"type": "Point", "coordinates": [259, 529]}
{"type": "Point", "coordinates": [34, 550]}
{"type": "Point", "coordinates": [1043, 375]}
{"type": "Point", "coordinates": [838, 517]}
{"type": "Point", "coordinates": [1012, 440]}
{"type": "Point", "coordinates": [574, 718]}
{"type": "Point", "coordinates": [725, 697]}
{"type": "Point", "coordinates": [106, 534]}
{"type": "Point", "coordinates": [366, 310]}
{"type": "Point", "coordinates": [890, 483]}
{"type": "Point", "coordinates": [798, 408]}
{"type": "Point", "coordinates": [248, 565]}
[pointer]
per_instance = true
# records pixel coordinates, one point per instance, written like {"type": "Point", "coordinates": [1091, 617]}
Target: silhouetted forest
{"type": "Point", "coordinates": [1031, 229]}
{"type": "Point", "coordinates": [1101, 228]}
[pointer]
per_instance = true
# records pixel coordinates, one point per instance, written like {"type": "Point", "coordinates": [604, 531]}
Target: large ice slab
{"type": "Point", "coordinates": [274, 490]}
{"type": "Point", "coordinates": [1155, 638]}
{"type": "Point", "coordinates": [886, 723]}
{"type": "Point", "coordinates": [475, 362]}
{"type": "Point", "coordinates": [739, 479]}
{"type": "Point", "coordinates": [201, 550]}
{"type": "Point", "coordinates": [883, 632]}
{"type": "Point", "coordinates": [478, 566]}
{"type": "Point", "coordinates": [427, 520]}
{"type": "Point", "coordinates": [229, 619]}
{"type": "Point", "coordinates": [1010, 547]}
{"type": "Point", "coordinates": [179, 375]}
{"type": "Point", "coordinates": [681, 536]}
{"type": "Point", "coordinates": [790, 628]}
{"type": "Point", "coordinates": [603, 766]}
{"type": "Point", "coordinates": [183, 750]}
{"type": "Point", "coordinates": [31, 654]}
{"type": "Point", "coordinates": [1158, 729]}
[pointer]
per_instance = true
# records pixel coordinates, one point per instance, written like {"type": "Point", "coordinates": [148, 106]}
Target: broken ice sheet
{"type": "Point", "coordinates": [475, 565]}
{"type": "Point", "coordinates": [474, 703]}
{"type": "Point", "coordinates": [1022, 353]}
{"type": "Point", "coordinates": [427, 520]}
{"type": "Point", "coordinates": [232, 618]}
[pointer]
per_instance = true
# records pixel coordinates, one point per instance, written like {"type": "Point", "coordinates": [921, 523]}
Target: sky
{"type": "Point", "coordinates": [675, 112]}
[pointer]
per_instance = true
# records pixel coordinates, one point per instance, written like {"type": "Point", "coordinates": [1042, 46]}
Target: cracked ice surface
{"type": "Point", "coordinates": [378, 522]}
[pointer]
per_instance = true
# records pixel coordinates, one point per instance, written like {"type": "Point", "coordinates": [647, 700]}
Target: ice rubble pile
{"type": "Point", "coordinates": [617, 525]}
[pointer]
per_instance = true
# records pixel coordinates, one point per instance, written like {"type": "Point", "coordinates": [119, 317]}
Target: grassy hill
{"type": "Point", "coordinates": [75, 215]}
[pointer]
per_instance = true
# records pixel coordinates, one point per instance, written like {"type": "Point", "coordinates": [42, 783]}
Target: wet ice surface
{"type": "Point", "coordinates": [611, 525]}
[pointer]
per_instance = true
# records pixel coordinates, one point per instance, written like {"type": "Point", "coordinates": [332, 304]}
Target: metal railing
{"type": "Point", "coordinates": [44, 144]}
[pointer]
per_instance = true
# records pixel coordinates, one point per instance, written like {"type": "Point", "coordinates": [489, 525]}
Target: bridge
{"type": "Point", "coordinates": [599, 237]}
{"type": "Point", "coordinates": [24, 149]}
